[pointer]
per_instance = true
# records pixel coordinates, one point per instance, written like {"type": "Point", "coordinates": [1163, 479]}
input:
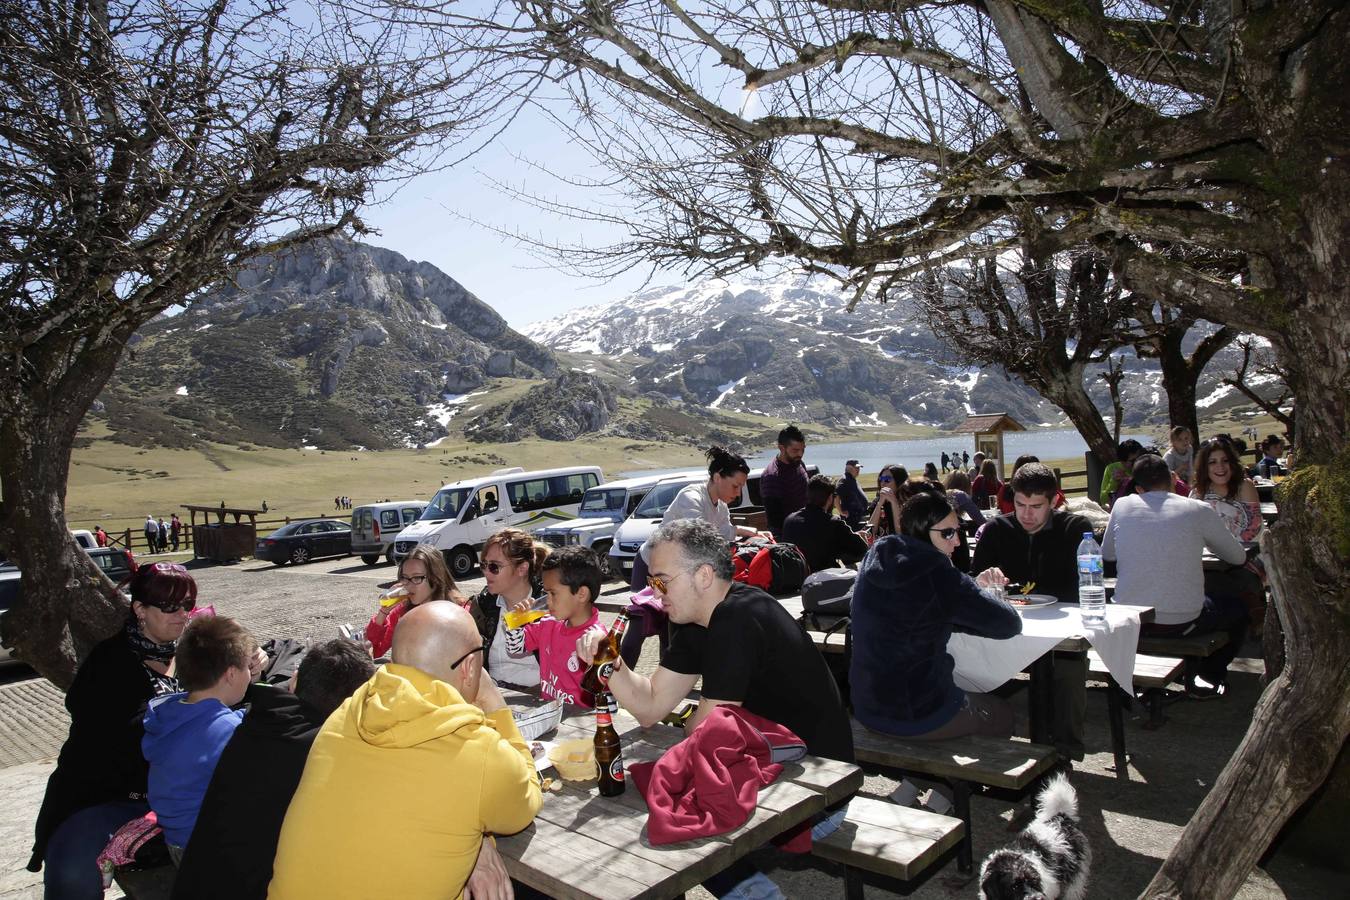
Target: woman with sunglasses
{"type": "Point", "coordinates": [426, 577]}
{"type": "Point", "coordinates": [885, 511]}
{"type": "Point", "coordinates": [1221, 482]}
{"type": "Point", "coordinates": [511, 562]}
{"type": "Point", "coordinates": [100, 779]}
{"type": "Point", "coordinates": [907, 601]}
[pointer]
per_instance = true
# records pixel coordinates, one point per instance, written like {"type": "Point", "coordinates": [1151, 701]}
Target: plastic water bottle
{"type": "Point", "coordinates": [1091, 590]}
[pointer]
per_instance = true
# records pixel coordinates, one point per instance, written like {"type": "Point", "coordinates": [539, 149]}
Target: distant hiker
{"type": "Point", "coordinates": [946, 462]}
{"type": "Point", "coordinates": [264, 506]}
{"type": "Point", "coordinates": [175, 526]}
{"type": "Point", "coordinates": [222, 504]}
{"type": "Point", "coordinates": [163, 533]}
{"type": "Point", "coordinates": [100, 536]}
{"type": "Point", "coordinates": [337, 503]}
{"type": "Point", "coordinates": [151, 533]}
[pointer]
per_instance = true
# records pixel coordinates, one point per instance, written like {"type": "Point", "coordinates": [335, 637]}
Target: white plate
{"type": "Point", "coordinates": [1028, 601]}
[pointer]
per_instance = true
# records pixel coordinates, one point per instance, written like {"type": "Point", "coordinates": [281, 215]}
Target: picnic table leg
{"type": "Point", "coordinates": [1041, 698]}
{"type": "Point", "coordinates": [853, 883]}
{"type": "Point", "coordinates": [964, 850]}
{"type": "Point", "coordinates": [1116, 714]}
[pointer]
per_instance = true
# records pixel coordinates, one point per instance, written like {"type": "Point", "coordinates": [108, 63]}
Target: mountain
{"type": "Point", "coordinates": [784, 346]}
{"type": "Point", "coordinates": [336, 344]}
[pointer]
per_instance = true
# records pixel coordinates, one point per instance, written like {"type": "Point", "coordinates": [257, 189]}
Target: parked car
{"type": "Point", "coordinates": [9, 595]}
{"type": "Point", "coordinates": [306, 539]}
{"type": "Point", "coordinates": [635, 530]}
{"type": "Point", "coordinates": [376, 525]}
{"type": "Point", "coordinates": [463, 515]}
{"type": "Point", "coordinates": [602, 509]}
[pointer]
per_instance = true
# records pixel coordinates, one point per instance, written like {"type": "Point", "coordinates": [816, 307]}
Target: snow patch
{"type": "Point", "coordinates": [727, 390]}
{"type": "Point", "coordinates": [182, 391]}
{"type": "Point", "coordinates": [444, 411]}
{"type": "Point", "coordinates": [203, 327]}
{"type": "Point", "coordinates": [441, 327]}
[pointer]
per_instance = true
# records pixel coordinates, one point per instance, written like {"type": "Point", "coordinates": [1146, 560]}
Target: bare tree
{"type": "Point", "coordinates": [876, 140]}
{"type": "Point", "coordinates": [1047, 326]}
{"type": "Point", "coordinates": [145, 149]}
{"type": "Point", "coordinates": [1259, 364]}
{"type": "Point", "coordinates": [1113, 376]}
{"type": "Point", "coordinates": [1164, 332]}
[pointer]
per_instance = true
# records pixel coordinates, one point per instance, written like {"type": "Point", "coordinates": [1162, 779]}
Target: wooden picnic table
{"type": "Point", "coordinates": [582, 845]}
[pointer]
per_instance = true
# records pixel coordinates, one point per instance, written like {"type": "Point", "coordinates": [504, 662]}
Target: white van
{"type": "Point", "coordinates": [376, 525]}
{"type": "Point", "coordinates": [462, 516]}
{"type": "Point", "coordinates": [602, 509]}
{"type": "Point", "coordinates": [635, 530]}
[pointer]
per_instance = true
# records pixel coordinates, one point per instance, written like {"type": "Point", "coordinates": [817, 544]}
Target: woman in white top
{"type": "Point", "coordinates": [511, 561]}
{"type": "Point", "coordinates": [706, 500]}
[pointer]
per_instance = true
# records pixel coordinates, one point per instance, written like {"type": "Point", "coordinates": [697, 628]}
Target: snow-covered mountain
{"type": "Point", "coordinates": [785, 346]}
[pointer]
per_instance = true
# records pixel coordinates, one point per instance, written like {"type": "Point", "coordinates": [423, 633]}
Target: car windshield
{"type": "Point", "coordinates": [654, 505]}
{"type": "Point", "coordinates": [446, 504]}
{"type": "Point", "coordinates": [604, 500]}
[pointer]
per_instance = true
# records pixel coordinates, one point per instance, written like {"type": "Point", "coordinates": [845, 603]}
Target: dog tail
{"type": "Point", "coordinates": [1058, 798]}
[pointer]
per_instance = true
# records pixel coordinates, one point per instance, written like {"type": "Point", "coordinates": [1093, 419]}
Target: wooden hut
{"type": "Point", "coordinates": [988, 429]}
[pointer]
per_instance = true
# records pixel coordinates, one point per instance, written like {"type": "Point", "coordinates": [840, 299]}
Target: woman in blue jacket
{"type": "Point", "coordinates": [908, 600]}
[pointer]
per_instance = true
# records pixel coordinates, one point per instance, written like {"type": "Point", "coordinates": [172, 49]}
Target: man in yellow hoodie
{"type": "Point", "coordinates": [409, 774]}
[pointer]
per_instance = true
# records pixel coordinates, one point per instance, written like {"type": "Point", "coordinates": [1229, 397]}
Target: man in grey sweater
{"type": "Point", "coordinates": [1157, 538]}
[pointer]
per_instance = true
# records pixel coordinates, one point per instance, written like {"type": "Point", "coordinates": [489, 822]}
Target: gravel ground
{"type": "Point", "coordinates": [1131, 825]}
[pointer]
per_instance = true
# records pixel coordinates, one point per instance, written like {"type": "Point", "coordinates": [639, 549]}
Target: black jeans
{"type": "Point", "coordinates": [1226, 614]}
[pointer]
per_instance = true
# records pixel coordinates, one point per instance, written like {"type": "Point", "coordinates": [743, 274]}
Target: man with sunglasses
{"type": "Point", "coordinates": [428, 749]}
{"type": "Point", "coordinates": [1037, 543]}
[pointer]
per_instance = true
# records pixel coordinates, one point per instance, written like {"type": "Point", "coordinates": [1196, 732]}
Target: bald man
{"type": "Point", "coordinates": [408, 775]}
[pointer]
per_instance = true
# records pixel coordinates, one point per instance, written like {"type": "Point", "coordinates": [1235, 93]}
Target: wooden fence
{"type": "Point", "coordinates": [134, 539]}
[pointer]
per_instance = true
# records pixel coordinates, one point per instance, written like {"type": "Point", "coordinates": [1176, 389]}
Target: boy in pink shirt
{"type": "Point", "coordinates": [571, 577]}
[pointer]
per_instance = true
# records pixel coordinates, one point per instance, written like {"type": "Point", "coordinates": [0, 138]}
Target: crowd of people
{"type": "Point", "coordinates": [260, 787]}
{"type": "Point", "coordinates": [160, 536]}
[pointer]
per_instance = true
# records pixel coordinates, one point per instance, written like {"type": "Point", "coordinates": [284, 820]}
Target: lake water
{"type": "Point", "coordinates": [872, 455]}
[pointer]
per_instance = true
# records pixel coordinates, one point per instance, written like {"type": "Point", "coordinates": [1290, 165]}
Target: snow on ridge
{"type": "Point", "coordinates": [727, 390]}
{"type": "Point", "coordinates": [182, 391]}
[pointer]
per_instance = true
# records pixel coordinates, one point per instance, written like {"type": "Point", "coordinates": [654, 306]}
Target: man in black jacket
{"type": "Point", "coordinates": [235, 838]}
{"type": "Point", "coordinates": [1038, 543]}
{"type": "Point", "coordinates": [852, 500]}
{"type": "Point", "coordinates": [824, 540]}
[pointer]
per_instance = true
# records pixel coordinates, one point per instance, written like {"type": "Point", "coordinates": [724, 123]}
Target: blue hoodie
{"type": "Point", "coordinates": [907, 599]}
{"type": "Point", "coordinates": [182, 743]}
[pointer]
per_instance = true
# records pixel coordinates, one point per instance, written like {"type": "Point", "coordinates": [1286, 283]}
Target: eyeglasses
{"type": "Point", "coordinates": [945, 533]}
{"type": "Point", "coordinates": [455, 665]}
{"type": "Point", "coordinates": [662, 585]}
{"type": "Point", "coordinates": [415, 579]}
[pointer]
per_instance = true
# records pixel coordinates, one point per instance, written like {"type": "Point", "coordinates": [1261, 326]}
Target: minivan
{"type": "Point", "coordinates": [635, 530]}
{"type": "Point", "coordinates": [463, 515]}
{"type": "Point", "coordinates": [375, 526]}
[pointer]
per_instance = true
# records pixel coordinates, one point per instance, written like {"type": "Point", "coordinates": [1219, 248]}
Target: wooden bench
{"type": "Point", "coordinates": [887, 839]}
{"type": "Point", "coordinates": [1151, 675]}
{"type": "Point", "coordinates": [989, 762]}
{"type": "Point", "coordinates": [1195, 646]}
{"type": "Point", "coordinates": [834, 642]}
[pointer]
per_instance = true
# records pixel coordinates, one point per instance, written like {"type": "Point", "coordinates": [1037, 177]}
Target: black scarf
{"type": "Point", "coordinates": [147, 650]}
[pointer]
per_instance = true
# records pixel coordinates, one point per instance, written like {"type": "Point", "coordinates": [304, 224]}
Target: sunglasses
{"type": "Point", "coordinates": [170, 608]}
{"type": "Point", "coordinates": [945, 533]}
{"type": "Point", "coordinates": [455, 665]}
{"type": "Point", "coordinates": [662, 585]}
{"type": "Point", "coordinates": [885, 479]}
{"type": "Point", "coordinates": [415, 579]}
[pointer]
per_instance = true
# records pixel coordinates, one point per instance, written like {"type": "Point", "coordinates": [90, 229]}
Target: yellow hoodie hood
{"type": "Point", "coordinates": [403, 707]}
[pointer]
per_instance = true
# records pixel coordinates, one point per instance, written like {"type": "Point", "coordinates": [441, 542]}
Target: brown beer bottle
{"type": "Point", "coordinates": [608, 751]}
{"type": "Point", "coordinates": [596, 678]}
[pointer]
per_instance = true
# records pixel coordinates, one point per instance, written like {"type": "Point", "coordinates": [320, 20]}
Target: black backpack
{"type": "Point", "coordinates": [829, 592]}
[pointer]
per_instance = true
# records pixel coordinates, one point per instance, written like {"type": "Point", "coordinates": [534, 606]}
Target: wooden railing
{"type": "Point", "coordinates": [134, 539]}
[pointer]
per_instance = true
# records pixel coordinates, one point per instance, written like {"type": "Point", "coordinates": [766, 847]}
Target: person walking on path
{"type": "Point", "coordinates": [162, 530]}
{"type": "Point", "coordinates": [100, 536]}
{"type": "Point", "coordinates": [151, 534]}
{"type": "Point", "coordinates": [175, 526]}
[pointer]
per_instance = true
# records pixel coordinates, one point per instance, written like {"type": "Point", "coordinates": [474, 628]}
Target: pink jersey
{"type": "Point", "coordinates": [560, 670]}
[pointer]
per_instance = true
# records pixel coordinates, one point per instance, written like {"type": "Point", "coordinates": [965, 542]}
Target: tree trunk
{"type": "Point", "coordinates": [1302, 719]}
{"type": "Point", "coordinates": [1069, 395]}
{"type": "Point", "coordinates": [1178, 381]}
{"type": "Point", "coordinates": [67, 604]}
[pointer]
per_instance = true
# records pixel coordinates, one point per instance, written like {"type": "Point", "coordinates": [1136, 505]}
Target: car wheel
{"type": "Point", "coordinates": [370, 559]}
{"type": "Point", "coordinates": [607, 568]}
{"type": "Point", "coordinates": [461, 561]}
{"type": "Point", "coordinates": [389, 557]}
{"type": "Point", "coordinates": [300, 555]}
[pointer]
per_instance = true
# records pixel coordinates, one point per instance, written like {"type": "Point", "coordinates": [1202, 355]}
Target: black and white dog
{"type": "Point", "coordinates": [1049, 860]}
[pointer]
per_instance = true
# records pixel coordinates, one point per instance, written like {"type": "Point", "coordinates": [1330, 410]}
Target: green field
{"type": "Point", "coordinates": [117, 485]}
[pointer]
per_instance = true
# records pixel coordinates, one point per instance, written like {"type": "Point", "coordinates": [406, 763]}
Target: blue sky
{"type": "Point", "coordinates": [431, 219]}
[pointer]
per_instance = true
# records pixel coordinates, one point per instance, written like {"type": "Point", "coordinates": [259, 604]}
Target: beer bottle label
{"type": "Point", "coordinates": [605, 670]}
{"type": "Point", "coordinates": [616, 768]}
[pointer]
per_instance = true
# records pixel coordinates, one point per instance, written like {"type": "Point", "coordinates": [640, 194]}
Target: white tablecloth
{"type": "Point", "coordinates": [982, 664]}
